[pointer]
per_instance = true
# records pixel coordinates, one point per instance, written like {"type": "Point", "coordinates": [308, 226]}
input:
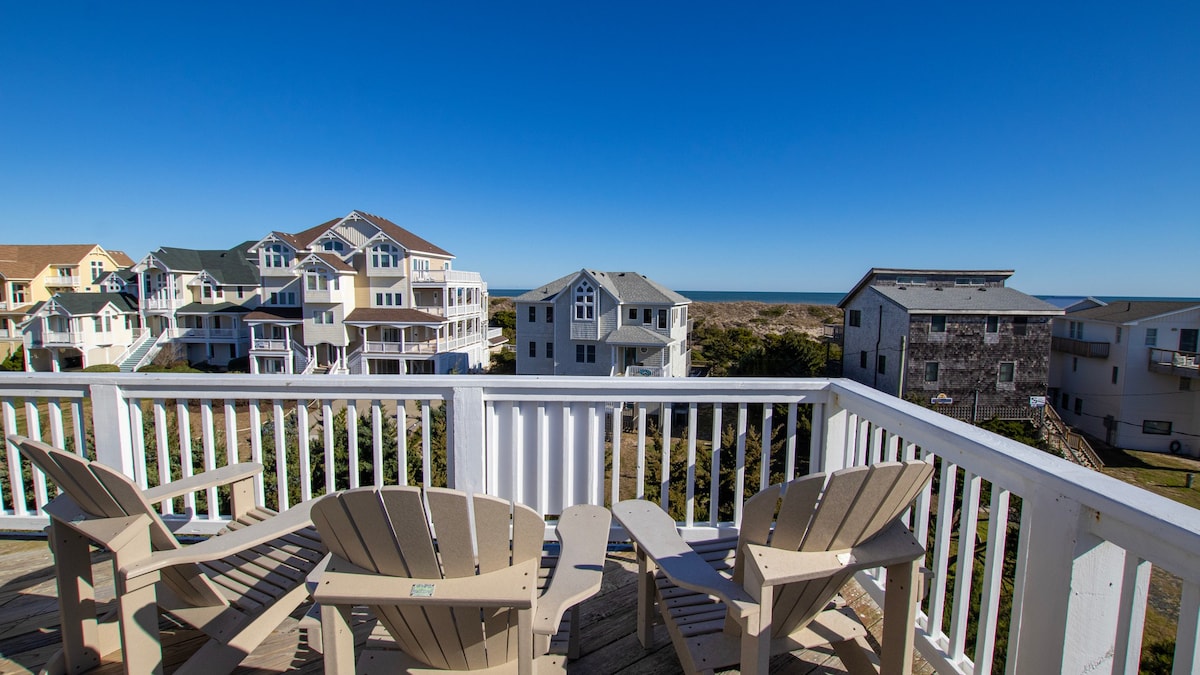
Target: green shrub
{"type": "Point", "coordinates": [239, 365]}
{"type": "Point", "coordinates": [103, 368]}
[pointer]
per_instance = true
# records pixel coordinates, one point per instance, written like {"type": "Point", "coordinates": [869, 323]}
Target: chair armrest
{"type": "Point", "coordinates": [656, 537]}
{"type": "Point", "coordinates": [345, 584]}
{"type": "Point", "coordinates": [583, 532]}
{"type": "Point", "coordinates": [773, 566]}
{"type": "Point", "coordinates": [212, 478]}
{"type": "Point", "coordinates": [214, 548]}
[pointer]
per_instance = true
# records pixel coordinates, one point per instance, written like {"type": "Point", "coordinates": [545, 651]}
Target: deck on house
{"type": "Point", "coordinates": [29, 625]}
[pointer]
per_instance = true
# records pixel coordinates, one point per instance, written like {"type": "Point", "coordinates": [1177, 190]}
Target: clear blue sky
{"type": "Point", "coordinates": [789, 146]}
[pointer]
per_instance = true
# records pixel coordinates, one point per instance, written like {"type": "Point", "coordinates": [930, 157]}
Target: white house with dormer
{"type": "Point", "coordinates": [360, 294]}
{"type": "Point", "coordinates": [603, 323]}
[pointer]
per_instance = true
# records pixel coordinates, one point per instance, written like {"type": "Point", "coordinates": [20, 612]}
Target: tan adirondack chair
{"type": "Point", "coordinates": [769, 591]}
{"type": "Point", "coordinates": [453, 578]}
{"type": "Point", "coordinates": [236, 587]}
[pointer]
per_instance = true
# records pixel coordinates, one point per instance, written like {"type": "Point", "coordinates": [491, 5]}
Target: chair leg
{"type": "Point", "coordinates": [81, 642]}
{"type": "Point", "coordinates": [337, 638]}
{"type": "Point", "coordinates": [756, 634]}
{"type": "Point", "coordinates": [645, 610]}
{"type": "Point", "coordinates": [137, 609]}
{"type": "Point", "coordinates": [899, 617]}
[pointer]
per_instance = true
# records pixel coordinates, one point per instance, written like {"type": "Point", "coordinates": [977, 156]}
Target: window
{"type": "Point", "coordinates": [282, 298]}
{"type": "Point", "coordinates": [862, 359]}
{"type": "Point", "coordinates": [585, 303]}
{"type": "Point", "coordinates": [1075, 330]}
{"type": "Point", "coordinates": [333, 245]}
{"type": "Point", "coordinates": [532, 348]}
{"type": "Point", "coordinates": [585, 353]}
{"type": "Point", "coordinates": [1078, 406]}
{"type": "Point", "coordinates": [319, 280]}
{"type": "Point", "coordinates": [97, 270]}
{"type": "Point", "coordinates": [19, 292]}
{"type": "Point", "coordinates": [1151, 337]}
{"type": "Point", "coordinates": [1007, 371]}
{"type": "Point", "coordinates": [385, 255]}
{"type": "Point", "coordinates": [647, 315]}
{"type": "Point", "coordinates": [206, 292]}
{"type": "Point", "coordinates": [937, 323]}
{"type": "Point", "coordinates": [881, 363]}
{"type": "Point", "coordinates": [550, 314]}
{"type": "Point", "coordinates": [389, 300]}
{"type": "Point", "coordinates": [1156, 427]}
{"type": "Point", "coordinates": [549, 350]}
{"type": "Point", "coordinates": [1020, 325]}
{"type": "Point", "coordinates": [532, 314]}
{"type": "Point", "coordinates": [241, 292]}
{"type": "Point", "coordinates": [969, 281]}
{"type": "Point", "coordinates": [324, 317]}
{"type": "Point", "coordinates": [1118, 335]}
{"type": "Point", "coordinates": [662, 318]}
{"type": "Point", "coordinates": [633, 314]}
{"type": "Point", "coordinates": [277, 255]}
{"type": "Point", "coordinates": [855, 318]}
{"type": "Point", "coordinates": [97, 324]}
{"type": "Point", "coordinates": [1074, 363]}
{"type": "Point", "coordinates": [993, 324]}
{"type": "Point", "coordinates": [1114, 375]}
{"type": "Point", "coordinates": [931, 371]}
{"type": "Point", "coordinates": [910, 281]}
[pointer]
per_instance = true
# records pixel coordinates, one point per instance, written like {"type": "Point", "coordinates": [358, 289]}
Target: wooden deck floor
{"type": "Point", "coordinates": [29, 631]}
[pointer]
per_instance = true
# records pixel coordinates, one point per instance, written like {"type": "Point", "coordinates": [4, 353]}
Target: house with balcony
{"type": "Point", "coordinates": [32, 273]}
{"type": "Point", "coordinates": [958, 339]}
{"type": "Point", "coordinates": [72, 331]}
{"type": "Point", "coordinates": [197, 300]}
{"type": "Point", "coordinates": [603, 323]}
{"type": "Point", "coordinates": [360, 294]}
{"type": "Point", "coordinates": [1127, 372]}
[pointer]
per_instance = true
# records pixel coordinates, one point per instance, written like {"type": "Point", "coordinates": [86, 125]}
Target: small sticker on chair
{"type": "Point", "coordinates": [421, 591]}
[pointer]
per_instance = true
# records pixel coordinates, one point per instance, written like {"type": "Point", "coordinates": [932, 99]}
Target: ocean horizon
{"type": "Point", "coordinates": [819, 298]}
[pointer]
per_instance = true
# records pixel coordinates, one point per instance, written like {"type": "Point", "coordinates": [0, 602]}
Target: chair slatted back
{"type": "Point", "coordinates": [826, 513]}
{"type": "Point", "coordinates": [406, 532]}
{"type": "Point", "coordinates": [104, 492]}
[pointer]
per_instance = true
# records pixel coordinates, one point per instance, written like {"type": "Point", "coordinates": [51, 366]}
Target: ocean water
{"type": "Point", "coordinates": [770, 297]}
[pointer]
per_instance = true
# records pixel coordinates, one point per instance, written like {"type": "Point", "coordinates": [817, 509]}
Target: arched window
{"type": "Point", "coordinates": [333, 245]}
{"type": "Point", "coordinates": [385, 255]}
{"type": "Point", "coordinates": [277, 255]}
{"type": "Point", "coordinates": [585, 301]}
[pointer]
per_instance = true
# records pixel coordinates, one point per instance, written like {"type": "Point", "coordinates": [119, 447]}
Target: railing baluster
{"type": "Point", "coordinates": [77, 428]}
{"type": "Point", "coordinates": [137, 436]}
{"type": "Point", "coordinates": [790, 444]}
{"type": "Point", "coordinates": [352, 441]}
{"type": "Point", "coordinates": [377, 442]}
{"type": "Point", "coordinates": [281, 468]}
{"type": "Point", "coordinates": [664, 469]}
{"type": "Point", "coordinates": [183, 421]}
{"type": "Point", "coordinates": [615, 485]}
{"type": "Point", "coordinates": [402, 441]}
{"type": "Point", "coordinates": [1187, 632]}
{"type": "Point", "coordinates": [163, 446]}
{"type": "Point", "coordinates": [993, 574]}
{"type": "Point", "coordinates": [641, 452]}
{"type": "Point", "coordinates": [256, 449]}
{"type": "Point", "coordinates": [231, 432]}
{"type": "Point", "coordinates": [210, 453]}
{"type": "Point", "coordinates": [967, 522]}
{"type": "Point", "coordinates": [426, 453]}
{"type": "Point", "coordinates": [303, 451]}
{"type": "Point", "coordinates": [941, 550]}
{"type": "Point", "coordinates": [690, 516]}
{"type": "Point", "coordinates": [764, 465]}
{"type": "Point", "coordinates": [739, 490]}
{"type": "Point", "coordinates": [1135, 590]}
{"type": "Point", "coordinates": [714, 498]}
{"type": "Point", "coordinates": [16, 490]}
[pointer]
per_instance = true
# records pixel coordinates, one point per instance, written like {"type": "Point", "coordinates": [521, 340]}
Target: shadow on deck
{"type": "Point", "coordinates": [30, 634]}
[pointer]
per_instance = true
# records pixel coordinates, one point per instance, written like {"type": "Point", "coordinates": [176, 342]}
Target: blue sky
{"type": "Point", "coordinates": [786, 146]}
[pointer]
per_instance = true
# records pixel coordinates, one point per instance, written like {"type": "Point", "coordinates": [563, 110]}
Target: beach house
{"type": "Point", "coordinates": [958, 339]}
{"type": "Point", "coordinates": [360, 294]}
{"type": "Point", "coordinates": [71, 331]}
{"type": "Point", "coordinates": [603, 323]}
{"type": "Point", "coordinates": [1126, 372]}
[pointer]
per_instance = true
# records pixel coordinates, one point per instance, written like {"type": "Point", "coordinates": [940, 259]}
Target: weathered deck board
{"type": "Point", "coordinates": [29, 633]}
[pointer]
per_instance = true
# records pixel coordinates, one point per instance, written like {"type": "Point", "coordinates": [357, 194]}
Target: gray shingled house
{"type": "Point", "coordinates": [957, 339]}
{"type": "Point", "coordinates": [603, 323]}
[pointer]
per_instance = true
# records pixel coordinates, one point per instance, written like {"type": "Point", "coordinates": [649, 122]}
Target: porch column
{"type": "Point", "coordinates": [110, 421]}
{"type": "Point", "coordinates": [465, 442]}
{"type": "Point", "coordinates": [54, 366]}
{"type": "Point", "coordinates": [831, 425]}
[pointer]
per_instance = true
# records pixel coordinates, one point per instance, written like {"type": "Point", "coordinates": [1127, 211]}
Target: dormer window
{"type": "Point", "coordinates": [277, 255]}
{"type": "Point", "coordinates": [316, 279]}
{"type": "Point", "coordinates": [333, 245]}
{"type": "Point", "coordinates": [385, 255]}
{"type": "Point", "coordinates": [585, 302]}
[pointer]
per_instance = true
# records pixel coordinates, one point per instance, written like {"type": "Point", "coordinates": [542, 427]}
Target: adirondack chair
{"type": "Point", "coordinates": [769, 591]}
{"type": "Point", "coordinates": [236, 587]}
{"type": "Point", "coordinates": [451, 596]}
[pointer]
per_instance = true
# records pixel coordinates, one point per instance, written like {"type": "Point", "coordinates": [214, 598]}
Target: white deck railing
{"type": "Point", "coordinates": [1056, 557]}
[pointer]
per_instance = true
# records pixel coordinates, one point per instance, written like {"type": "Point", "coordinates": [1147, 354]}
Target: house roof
{"type": "Point", "coordinates": [1130, 311]}
{"type": "Point", "coordinates": [876, 272]}
{"type": "Point", "coordinates": [80, 304]}
{"type": "Point", "coordinates": [966, 300]}
{"type": "Point", "coordinates": [401, 236]}
{"type": "Point", "coordinates": [25, 261]}
{"type": "Point", "coordinates": [636, 336]}
{"type": "Point", "coordinates": [215, 308]}
{"type": "Point", "coordinates": [229, 267]}
{"type": "Point", "coordinates": [392, 316]}
{"type": "Point", "coordinates": [627, 287]}
{"type": "Point", "coordinates": [268, 314]}
{"type": "Point", "coordinates": [332, 260]}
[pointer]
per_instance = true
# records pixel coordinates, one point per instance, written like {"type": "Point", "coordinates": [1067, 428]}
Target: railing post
{"type": "Point", "coordinates": [829, 425]}
{"type": "Point", "coordinates": [1068, 591]}
{"type": "Point", "coordinates": [465, 440]}
{"type": "Point", "coordinates": [110, 424]}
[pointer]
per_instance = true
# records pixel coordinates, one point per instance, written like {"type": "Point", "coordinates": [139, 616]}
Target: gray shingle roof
{"type": "Point", "coordinates": [230, 267]}
{"type": "Point", "coordinates": [965, 300]}
{"type": "Point", "coordinates": [1124, 311]}
{"type": "Point", "coordinates": [637, 336]}
{"type": "Point", "coordinates": [628, 287]}
{"type": "Point", "coordinates": [80, 304]}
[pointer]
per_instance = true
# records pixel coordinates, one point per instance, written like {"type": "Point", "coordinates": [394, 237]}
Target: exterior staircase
{"type": "Point", "coordinates": [135, 356]}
